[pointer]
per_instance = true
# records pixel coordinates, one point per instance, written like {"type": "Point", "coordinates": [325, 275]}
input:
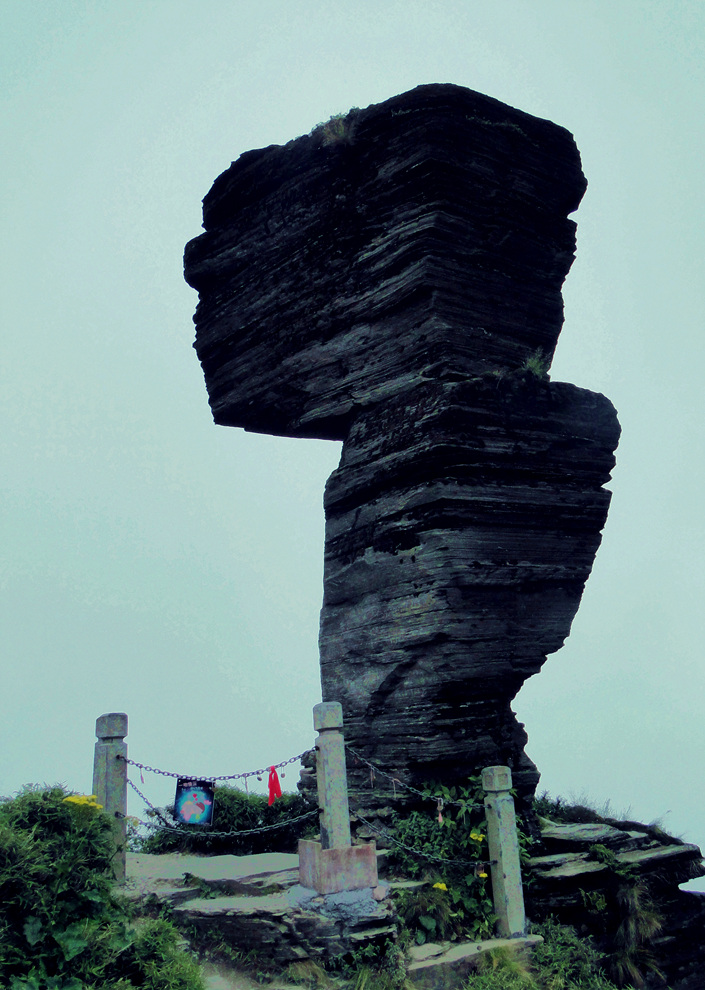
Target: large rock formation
{"type": "Point", "coordinates": [393, 280]}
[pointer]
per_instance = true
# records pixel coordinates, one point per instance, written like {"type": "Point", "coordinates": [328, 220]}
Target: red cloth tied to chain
{"type": "Point", "coordinates": [275, 790]}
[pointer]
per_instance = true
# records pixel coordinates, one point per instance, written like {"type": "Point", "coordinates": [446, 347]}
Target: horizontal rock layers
{"type": "Point", "coordinates": [461, 526]}
{"type": "Point", "coordinates": [394, 280]}
{"type": "Point", "coordinates": [426, 236]}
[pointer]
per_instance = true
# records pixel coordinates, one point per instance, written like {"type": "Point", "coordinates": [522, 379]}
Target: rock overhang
{"type": "Point", "coordinates": [429, 238]}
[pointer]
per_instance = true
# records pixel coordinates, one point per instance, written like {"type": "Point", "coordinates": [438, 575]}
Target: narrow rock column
{"type": "Point", "coordinates": [504, 852]}
{"type": "Point", "coordinates": [110, 780]}
{"type": "Point", "coordinates": [331, 775]}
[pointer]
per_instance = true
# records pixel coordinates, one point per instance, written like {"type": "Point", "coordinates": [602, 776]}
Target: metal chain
{"type": "Point", "coordinates": [149, 804]}
{"type": "Point", "coordinates": [210, 834]}
{"type": "Point", "coordinates": [416, 852]}
{"type": "Point", "coordinates": [225, 835]}
{"type": "Point", "coordinates": [231, 776]}
{"type": "Point", "coordinates": [441, 802]}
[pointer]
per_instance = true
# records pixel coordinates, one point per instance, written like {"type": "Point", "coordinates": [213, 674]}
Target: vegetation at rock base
{"type": "Point", "coordinates": [564, 961]}
{"type": "Point", "coordinates": [62, 927]}
{"type": "Point", "coordinates": [622, 915]}
{"type": "Point", "coordinates": [448, 850]}
{"type": "Point", "coordinates": [234, 811]}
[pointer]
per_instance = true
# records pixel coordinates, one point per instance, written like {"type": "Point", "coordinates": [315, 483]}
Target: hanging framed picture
{"type": "Point", "coordinates": [194, 801]}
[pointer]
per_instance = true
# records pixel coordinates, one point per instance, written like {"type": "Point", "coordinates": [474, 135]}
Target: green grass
{"type": "Point", "coordinates": [564, 961]}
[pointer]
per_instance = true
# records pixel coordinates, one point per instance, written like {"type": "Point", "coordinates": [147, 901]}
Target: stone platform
{"type": "Point", "coordinates": [255, 906]}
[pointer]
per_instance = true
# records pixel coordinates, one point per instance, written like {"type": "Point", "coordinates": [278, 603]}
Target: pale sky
{"type": "Point", "coordinates": [153, 563]}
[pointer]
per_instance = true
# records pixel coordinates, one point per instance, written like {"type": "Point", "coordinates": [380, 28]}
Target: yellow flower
{"type": "Point", "coordinates": [483, 875]}
{"type": "Point", "coordinates": [477, 836]}
{"type": "Point", "coordinates": [439, 886]}
{"type": "Point", "coordinates": [87, 800]}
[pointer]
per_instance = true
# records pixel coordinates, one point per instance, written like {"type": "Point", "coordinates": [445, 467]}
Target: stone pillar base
{"type": "Point", "coordinates": [330, 871]}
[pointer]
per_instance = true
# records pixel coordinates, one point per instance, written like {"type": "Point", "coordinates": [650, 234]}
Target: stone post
{"type": "Point", "coordinates": [504, 852]}
{"type": "Point", "coordinates": [110, 780]}
{"type": "Point", "coordinates": [333, 864]}
{"type": "Point", "coordinates": [331, 776]}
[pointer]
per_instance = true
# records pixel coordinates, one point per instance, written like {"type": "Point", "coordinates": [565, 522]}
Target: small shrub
{"type": "Point", "coordinates": [503, 969]}
{"type": "Point", "coordinates": [377, 966]}
{"type": "Point", "coordinates": [565, 960]}
{"type": "Point", "coordinates": [538, 364]}
{"type": "Point", "coordinates": [337, 130]}
{"type": "Point", "coordinates": [61, 926]}
{"type": "Point", "coordinates": [157, 961]}
{"type": "Point", "coordinates": [235, 811]}
{"type": "Point", "coordinates": [428, 913]}
{"type": "Point", "coordinates": [307, 973]}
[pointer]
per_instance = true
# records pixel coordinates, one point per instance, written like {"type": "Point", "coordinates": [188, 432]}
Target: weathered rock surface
{"type": "Point", "coordinates": [429, 237]}
{"type": "Point", "coordinates": [461, 527]}
{"type": "Point", "coordinates": [254, 904]}
{"type": "Point", "coordinates": [567, 880]}
{"type": "Point", "coordinates": [255, 908]}
{"type": "Point", "coordinates": [394, 280]}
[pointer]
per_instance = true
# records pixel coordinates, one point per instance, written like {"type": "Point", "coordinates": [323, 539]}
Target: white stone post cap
{"type": "Point", "coordinates": [328, 715]}
{"type": "Point", "coordinates": [497, 779]}
{"type": "Point", "coordinates": [111, 726]}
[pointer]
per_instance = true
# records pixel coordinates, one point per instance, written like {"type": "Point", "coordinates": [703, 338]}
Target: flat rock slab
{"type": "Point", "coordinates": [294, 925]}
{"type": "Point", "coordinates": [271, 905]}
{"type": "Point", "coordinates": [148, 873]}
{"type": "Point", "coordinates": [582, 833]}
{"type": "Point", "coordinates": [446, 966]}
{"type": "Point", "coordinates": [675, 857]}
{"type": "Point", "coordinates": [232, 901]}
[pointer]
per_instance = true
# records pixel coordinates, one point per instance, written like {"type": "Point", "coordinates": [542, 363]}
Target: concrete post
{"type": "Point", "coordinates": [504, 852]}
{"type": "Point", "coordinates": [331, 776]}
{"type": "Point", "coordinates": [110, 780]}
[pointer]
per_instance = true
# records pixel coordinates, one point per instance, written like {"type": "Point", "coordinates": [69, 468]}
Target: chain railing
{"type": "Point", "coordinates": [226, 776]}
{"type": "Point", "coordinates": [430, 857]}
{"type": "Point", "coordinates": [166, 826]}
{"type": "Point", "coordinates": [110, 783]}
{"type": "Point", "coordinates": [211, 833]}
{"type": "Point", "coordinates": [440, 801]}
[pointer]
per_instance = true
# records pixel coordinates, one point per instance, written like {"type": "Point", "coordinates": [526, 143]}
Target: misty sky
{"type": "Point", "coordinates": [153, 563]}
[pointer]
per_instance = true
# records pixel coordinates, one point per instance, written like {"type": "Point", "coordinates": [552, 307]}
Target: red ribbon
{"type": "Point", "coordinates": [275, 790]}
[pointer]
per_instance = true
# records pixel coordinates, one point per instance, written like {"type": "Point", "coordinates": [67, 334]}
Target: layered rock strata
{"type": "Point", "coordinates": [581, 874]}
{"type": "Point", "coordinates": [394, 280]}
{"type": "Point", "coordinates": [422, 237]}
{"type": "Point", "coordinates": [461, 526]}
